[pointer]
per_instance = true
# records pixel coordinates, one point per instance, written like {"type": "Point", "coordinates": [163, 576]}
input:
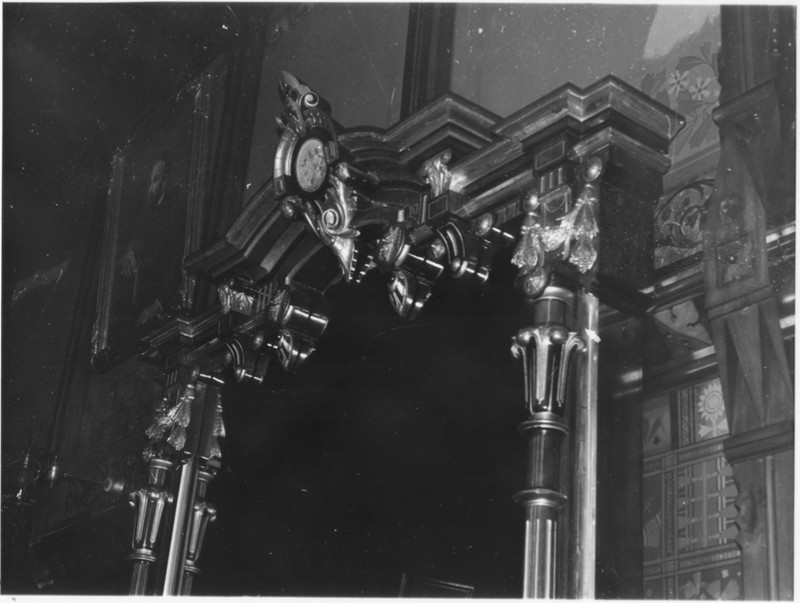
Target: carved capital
{"type": "Point", "coordinates": [546, 352]}
{"type": "Point", "coordinates": [150, 503]}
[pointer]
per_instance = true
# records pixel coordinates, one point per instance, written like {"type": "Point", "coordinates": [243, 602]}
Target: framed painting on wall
{"type": "Point", "coordinates": [160, 199]}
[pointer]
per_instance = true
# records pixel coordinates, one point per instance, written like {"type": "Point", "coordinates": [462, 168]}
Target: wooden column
{"type": "Point", "coordinates": [584, 480]}
{"type": "Point", "coordinates": [597, 171]}
{"type": "Point", "coordinates": [198, 467]}
{"type": "Point", "coordinates": [547, 350]}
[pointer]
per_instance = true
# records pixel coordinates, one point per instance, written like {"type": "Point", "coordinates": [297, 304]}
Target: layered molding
{"type": "Point", "coordinates": [761, 442]}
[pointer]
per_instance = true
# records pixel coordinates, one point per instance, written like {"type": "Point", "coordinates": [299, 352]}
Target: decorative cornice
{"type": "Point", "coordinates": [584, 107]}
{"type": "Point", "coordinates": [449, 119]}
{"type": "Point", "coordinates": [610, 136]}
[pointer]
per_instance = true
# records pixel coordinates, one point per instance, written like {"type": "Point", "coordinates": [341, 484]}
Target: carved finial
{"type": "Point", "coordinates": [295, 96]}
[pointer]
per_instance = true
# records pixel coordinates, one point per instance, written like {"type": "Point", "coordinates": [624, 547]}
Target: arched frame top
{"type": "Point", "coordinates": [430, 197]}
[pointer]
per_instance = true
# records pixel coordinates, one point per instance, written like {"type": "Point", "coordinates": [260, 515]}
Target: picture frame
{"type": "Point", "coordinates": [157, 212]}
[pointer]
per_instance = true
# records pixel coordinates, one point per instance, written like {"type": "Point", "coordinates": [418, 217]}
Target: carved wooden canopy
{"type": "Point", "coordinates": [431, 197]}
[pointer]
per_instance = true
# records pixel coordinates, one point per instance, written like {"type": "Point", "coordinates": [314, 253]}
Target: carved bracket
{"type": "Point", "coordinates": [280, 321]}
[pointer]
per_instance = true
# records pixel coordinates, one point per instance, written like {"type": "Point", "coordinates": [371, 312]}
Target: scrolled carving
{"type": "Point", "coordinates": [680, 218]}
{"type": "Point", "coordinates": [297, 98]}
{"type": "Point", "coordinates": [336, 212]}
{"type": "Point", "coordinates": [332, 196]}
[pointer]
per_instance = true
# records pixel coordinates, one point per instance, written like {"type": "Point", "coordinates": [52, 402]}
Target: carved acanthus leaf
{"type": "Point", "coordinates": [436, 173]}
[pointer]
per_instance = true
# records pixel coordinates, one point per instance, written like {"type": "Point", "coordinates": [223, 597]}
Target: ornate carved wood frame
{"type": "Point", "coordinates": [576, 174]}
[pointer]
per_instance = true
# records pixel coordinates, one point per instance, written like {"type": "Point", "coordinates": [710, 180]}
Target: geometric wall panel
{"type": "Point", "coordinates": [688, 496]}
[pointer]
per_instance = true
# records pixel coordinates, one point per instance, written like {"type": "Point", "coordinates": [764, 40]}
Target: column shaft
{"type": "Point", "coordinates": [583, 504]}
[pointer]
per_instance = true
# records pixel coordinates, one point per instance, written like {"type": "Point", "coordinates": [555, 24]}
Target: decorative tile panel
{"type": "Point", "coordinates": [653, 517]}
{"type": "Point", "coordinates": [710, 418]}
{"type": "Point", "coordinates": [705, 496]}
{"type": "Point", "coordinates": [656, 426]}
{"type": "Point", "coordinates": [688, 495]}
{"type": "Point", "coordinates": [721, 583]}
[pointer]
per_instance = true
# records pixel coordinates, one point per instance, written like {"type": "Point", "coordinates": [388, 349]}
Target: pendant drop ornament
{"type": "Point", "coordinates": [580, 249]}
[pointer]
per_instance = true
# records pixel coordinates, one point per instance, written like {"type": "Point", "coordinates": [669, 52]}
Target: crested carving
{"type": "Point", "coordinates": [296, 98]}
{"type": "Point", "coordinates": [332, 196]}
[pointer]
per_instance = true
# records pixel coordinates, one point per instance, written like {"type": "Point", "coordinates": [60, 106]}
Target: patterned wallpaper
{"type": "Point", "coordinates": [681, 72]}
{"type": "Point", "coordinates": [683, 75]}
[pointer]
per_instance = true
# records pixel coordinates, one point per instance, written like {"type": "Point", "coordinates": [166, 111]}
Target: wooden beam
{"type": "Point", "coordinates": [429, 52]}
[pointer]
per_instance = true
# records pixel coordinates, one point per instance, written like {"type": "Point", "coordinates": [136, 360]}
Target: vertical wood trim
{"type": "Point", "coordinates": [180, 522]}
{"type": "Point", "coordinates": [772, 528]}
{"type": "Point", "coordinates": [584, 489]}
{"type": "Point", "coordinates": [429, 54]}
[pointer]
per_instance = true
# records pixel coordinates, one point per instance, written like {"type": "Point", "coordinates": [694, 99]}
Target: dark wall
{"type": "Point", "coordinates": [394, 450]}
